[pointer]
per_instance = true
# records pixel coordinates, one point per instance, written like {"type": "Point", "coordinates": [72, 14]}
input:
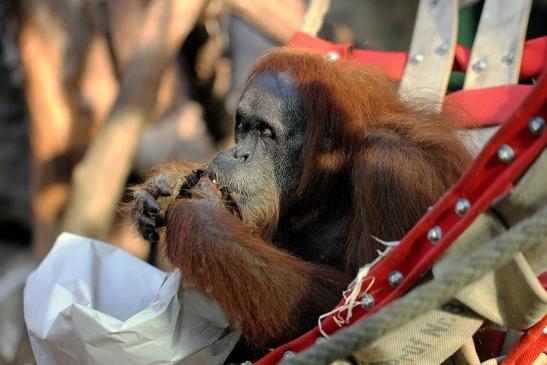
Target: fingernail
{"type": "Point", "coordinates": [154, 208]}
{"type": "Point", "coordinates": [147, 222]}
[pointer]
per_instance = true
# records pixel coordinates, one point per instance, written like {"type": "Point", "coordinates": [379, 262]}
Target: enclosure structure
{"type": "Point", "coordinates": [478, 254]}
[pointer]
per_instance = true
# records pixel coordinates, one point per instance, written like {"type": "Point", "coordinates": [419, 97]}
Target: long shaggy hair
{"type": "Point", "coordinates": [399, 158]}
{"type": "Point", "coordinates": [367, 156]}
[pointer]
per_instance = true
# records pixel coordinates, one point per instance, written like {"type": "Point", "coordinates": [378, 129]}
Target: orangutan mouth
{"type": "Point", "coordinates": [198, 174]}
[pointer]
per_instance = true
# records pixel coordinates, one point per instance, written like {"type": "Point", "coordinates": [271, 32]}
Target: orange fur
{"type": "Point", "coordinates": [366, 153]}
{"type": "Point", "coordinates": [400, 158]}
{"type": "Point", "coordinates": [262, 289]}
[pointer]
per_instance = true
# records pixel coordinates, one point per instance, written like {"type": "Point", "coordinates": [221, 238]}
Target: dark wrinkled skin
{"type": "Point", "coordinates": [270, 128]}
{"type": "Point", "coordinates": [269, 134]}
{"type": "Point", "coordinates": [146, 209]}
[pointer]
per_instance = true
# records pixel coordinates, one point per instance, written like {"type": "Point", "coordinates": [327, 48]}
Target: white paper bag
{"type": "Point", "coordinates": [91, 303]}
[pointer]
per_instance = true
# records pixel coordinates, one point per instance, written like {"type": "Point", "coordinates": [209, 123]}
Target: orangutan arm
{"type": "Point", "coordinates": [151, 198]}
{"type": "Point", "coordinates": [269, 294]}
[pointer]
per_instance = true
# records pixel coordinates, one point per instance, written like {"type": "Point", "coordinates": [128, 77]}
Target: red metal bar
{"type": "Point", "coordinates": [534, 59]}
{"type": "Point", "coordinates": [530, 346]}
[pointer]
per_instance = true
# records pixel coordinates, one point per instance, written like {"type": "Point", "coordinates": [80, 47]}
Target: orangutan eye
{"type": "Point", "coordinates": [238, 118]}
{"type": "Point", "coordinates": [266, 130]}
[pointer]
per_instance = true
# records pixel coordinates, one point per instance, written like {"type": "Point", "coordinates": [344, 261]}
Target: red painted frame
{"type": "Point", "coordinates": [502, 100]}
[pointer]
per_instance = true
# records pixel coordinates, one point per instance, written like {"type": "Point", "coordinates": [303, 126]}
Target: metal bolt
{"type": "Point", "coordinates": [435, 234]}
{"type": "Point", "coordinates": [367, 301]}
{"type": "Point", "coordinates": [536, 125]}
{"type": "Point", "coordinates": [462, 206]}
{"type": "Point", "coordinates": [417, 58]}
{"type": "Point", "coordinates": [505, 154]}
{"type": "Point", "coordinates": [332, 56]}
{"type": "Point", "coordinates": [509, 58]}
{"type": "Point", "coordinates": [480, 65]}
{"type": "Point", "coordinates": [395, 278]}
{"type": "Point", "coordinates": [320, 339]}
{"type": "Point", "coordinates": [442, 49]}
{"type": "Point", "coordinates": [288, 354]}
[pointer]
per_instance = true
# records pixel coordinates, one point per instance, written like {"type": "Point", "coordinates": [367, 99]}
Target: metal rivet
{"type": "Point", "coordinates": [442, 49]}
{"type": "Point", "coordinates": [505, 154]}
{"type": "Point", "coordinates": [332, 56]}
{"type": "Point", "coordinates": [509, 58]}
{"type": "Point", "coordinates": [417, 58]}
{"type": "Point", "coordinates": [536, 125]}
{"type": "Point", "coordinates": [395, 278]}
{"type": "Point", "coordinates": [320, 339]}
{"type": "Point", "coordinates": [480, 65]}
{"type": "Point", "coordinates": [247, 363]}
{"type": "Point", "coordinates": [462, 206]}
{"type": "Point", "coordinates": [435, 234]}
{"type": "Point", "coordinates": [367, 301]}
{"type": "Point", "coordinates": [288, 354]}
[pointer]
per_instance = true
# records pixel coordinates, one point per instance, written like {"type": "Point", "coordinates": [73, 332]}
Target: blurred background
{"type": "Point", "coordinates": [95, 92]}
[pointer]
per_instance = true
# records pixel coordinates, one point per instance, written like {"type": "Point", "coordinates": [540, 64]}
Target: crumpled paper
{"type": "Point", "coordinates": [91, 303]}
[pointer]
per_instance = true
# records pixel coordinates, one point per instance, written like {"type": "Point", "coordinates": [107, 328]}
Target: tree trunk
{"type": "Point", "coordinates": [53, 54]}
{"type": "Point", "coordinates": [99, 179]}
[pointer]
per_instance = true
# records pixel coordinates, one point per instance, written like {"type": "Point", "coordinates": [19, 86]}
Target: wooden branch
{"type": "Point", "coordinates": [313, 21]}
{"type": "Point", "coordinates": [499, 43]}
{"type": "Point", "coordinates": [98, 83]}
{"type": "Point", "coordinates": [496, 54]}
{"type": "Point", "coordinates": [50, 123]}
{"type": "Point", "coordinates": [431, 51]}
{"type": "Point", "coordinates": [98, 181]}
{"type": "Point", "coordinates": [125, 19]}
{"type": "Point", "coordinates": [278, 20]}
{"type": "Point", "coordinates": [60, 120]}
